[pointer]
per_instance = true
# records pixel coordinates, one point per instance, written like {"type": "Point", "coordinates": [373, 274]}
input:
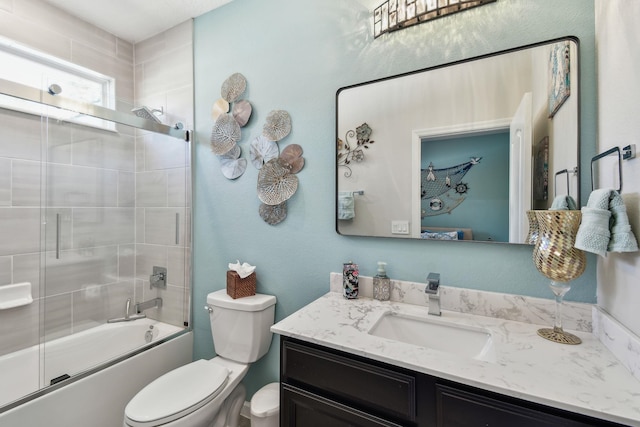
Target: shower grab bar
{"type": "Point", "coordinates": [57, 236]}
{"type": "Point", "coordinates": [17, 90]}
{"type": "Point", "coordinates": [601, 155]}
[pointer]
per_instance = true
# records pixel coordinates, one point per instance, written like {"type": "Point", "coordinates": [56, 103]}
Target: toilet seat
{"type": "Point", "coordinates": [176, 394]}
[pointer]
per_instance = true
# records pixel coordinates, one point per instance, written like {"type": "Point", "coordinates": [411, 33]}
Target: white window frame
{"type": "Point", "coordinates": [46, 68]}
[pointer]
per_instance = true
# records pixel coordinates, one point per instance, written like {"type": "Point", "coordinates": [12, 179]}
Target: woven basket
{"type": "Point", "coordinates": [238, 287]}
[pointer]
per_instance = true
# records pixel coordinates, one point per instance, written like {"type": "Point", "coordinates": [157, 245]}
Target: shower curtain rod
{"type": "Point", "coordinates": [27, 93]}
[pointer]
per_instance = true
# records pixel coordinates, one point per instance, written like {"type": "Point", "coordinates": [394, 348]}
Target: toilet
{"type": "Point", "coordinates": [209, 393]}
{"type": "Point", "coordinates": [265, 406]}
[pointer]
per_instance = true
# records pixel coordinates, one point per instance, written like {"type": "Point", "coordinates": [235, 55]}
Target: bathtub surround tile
{"type": "Point", "coordinates": [77, 268]}
{"type": "Point", "coordinates": [164, 152]}
{"type": "Point", "coordinates": [575, 316]}
{"type": "Point", "coordinates": [28, 32]}
{"type": "Point", "coordinates": [151, 189]}
{"type": "Point", "coordinates": [58, 316]}
{"type": "Point", "coordinates": [26, 183]}
{"type": "Point", "coordinates": [124, 50]}
{"type": "Point", "coordinates": [126, 189]}
{"type": "Point", "coordinates": [148, 256]}
{"type": "Point", "coordinates": [126, 262]}
{"type": "Point", "coordinates": [6, 5]}
{"type": "Point", "coordinates": [75, 186]}
{"type": "Point", "coordinates": [26, 268]}
{"type": "Point", "coordinates": [6, 271]}
{"type": "Point", "coordinates": [163, 225]}
{"type": "Point", "coordinates": [178, 262]}
{"type": "Point", "coordinates": [103, 227]}
{"type": "Point", "coordinates": [20, 135]}
{"type": "Point", "coordinates": [177, 187]}
{"type": "Point", "coordinates": [623, 343]}
{"type": "Point", "coordinates": [51, 17]}
{"type": "Point", "coordinates": [103, 149]}
{"type": "Point", "coordinates": [20, 230]}
{"type": "Point", "coordinates": [5, 182]}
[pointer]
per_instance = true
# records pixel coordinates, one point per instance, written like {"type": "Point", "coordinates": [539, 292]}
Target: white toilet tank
{"type": "Point", "coordinates": [241, 327]}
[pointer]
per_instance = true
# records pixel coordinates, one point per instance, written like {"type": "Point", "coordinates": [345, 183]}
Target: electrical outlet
{"type": "Point", "coordinates": [399, 227]}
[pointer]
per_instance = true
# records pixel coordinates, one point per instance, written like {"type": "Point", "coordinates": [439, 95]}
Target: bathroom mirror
{"type": "Point", "coordinates": [460, 151]}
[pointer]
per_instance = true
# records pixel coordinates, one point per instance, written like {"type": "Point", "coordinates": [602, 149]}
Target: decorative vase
{"type": "Point", "coordinates": [556, 258]}
{"type": "Point", "coordinates": [532, 236]}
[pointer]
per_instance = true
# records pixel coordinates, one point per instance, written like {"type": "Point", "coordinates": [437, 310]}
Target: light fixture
{"type": "Point", "coordinates": [394, 15]}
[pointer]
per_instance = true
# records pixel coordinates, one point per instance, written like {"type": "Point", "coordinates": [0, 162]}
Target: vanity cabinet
{"type": "Point", "coordinates": [326, 387]}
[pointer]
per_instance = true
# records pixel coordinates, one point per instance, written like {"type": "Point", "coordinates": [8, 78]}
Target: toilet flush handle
{"type": "Point", "coordinates": [208, 308]}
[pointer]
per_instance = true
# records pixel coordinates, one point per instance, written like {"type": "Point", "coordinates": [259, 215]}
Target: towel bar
{"type": "Point", "coordinates": [555, 180]}
{"type": "Point", "coordinates": [601, 155]}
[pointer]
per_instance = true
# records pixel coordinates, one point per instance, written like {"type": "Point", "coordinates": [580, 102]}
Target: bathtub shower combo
{"type": "Point", "coordinates": [94, 242]}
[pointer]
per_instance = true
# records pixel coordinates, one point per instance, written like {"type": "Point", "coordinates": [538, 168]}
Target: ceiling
{"type": "Point", "coordinates": [136, 20]}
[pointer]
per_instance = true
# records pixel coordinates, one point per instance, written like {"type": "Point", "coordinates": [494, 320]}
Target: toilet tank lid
{"type": "Point", "coordinates": [257, 302]}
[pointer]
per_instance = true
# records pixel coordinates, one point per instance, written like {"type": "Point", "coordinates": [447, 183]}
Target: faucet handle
{"type": "Point", "coordinates": [433, 283]}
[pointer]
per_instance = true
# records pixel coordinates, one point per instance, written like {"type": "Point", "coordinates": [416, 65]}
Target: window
{"type": "Point", "coordinates": [38, 70]}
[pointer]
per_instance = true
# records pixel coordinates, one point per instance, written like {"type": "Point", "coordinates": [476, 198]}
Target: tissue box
{"type": "Point", "coordinates": [238, 287]}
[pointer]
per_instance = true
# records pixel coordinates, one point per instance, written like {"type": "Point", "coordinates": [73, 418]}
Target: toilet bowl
{"type": "Point", "coordinates": [209, 393]}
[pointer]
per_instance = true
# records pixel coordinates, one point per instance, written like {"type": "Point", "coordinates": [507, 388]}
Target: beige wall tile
{"type": "Point", "coordinates": [5, 182]}
{"type": "Point", "coordinates": [160, 226]}
{"type": "Point", "coordinates": [31, 33]}
{"type": "Point", "coordinates": [151, 189]}
{"type": "Point", "coordinates": [103, 149]}
{"type": "Point", "coordinates": [6, 5]}
{"type": "Point", "coordinates": [103, 227]}
{"type": "Point", "coordinates": [76, 186]}
{"type": "Point", "coordinates": [5, 271]}
{"type": "Point", "coordinates": [20, 230]}
{"type": "Point", "coordinates": [126, 189]}
{"type": "Point", "coordinates": [76, 269]}
{"type": "Point", "coordinates": [46, 16]}
{"type": "Point", "coordinates": [148, 256]}
{"type": "Point", "coordinates": [26, 268]}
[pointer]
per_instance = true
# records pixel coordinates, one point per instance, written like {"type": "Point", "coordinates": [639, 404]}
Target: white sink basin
{"type": "Point", "coordinates": [436, 334]}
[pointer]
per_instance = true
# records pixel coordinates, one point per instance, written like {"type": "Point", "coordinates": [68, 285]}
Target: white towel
{"type": "Point", "coordinates": [346, 205]}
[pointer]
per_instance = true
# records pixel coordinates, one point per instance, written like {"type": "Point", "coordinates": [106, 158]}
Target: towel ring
{"type": "Point", "coordinates": [555, 181]}
{"type": "Point", "coordinates": [606, 153]}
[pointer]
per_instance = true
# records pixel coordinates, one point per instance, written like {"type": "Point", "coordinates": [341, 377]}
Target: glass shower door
{"type": "Point", "coordinates": [116, 206]}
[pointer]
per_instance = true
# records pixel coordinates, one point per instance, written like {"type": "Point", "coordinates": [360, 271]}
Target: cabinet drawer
{"type": "Point", "coordinates": [303, 409]}
{"type": "Point", "coordinates": [461, 408]}
{"type": "Point", "coordinates": [360, 384]}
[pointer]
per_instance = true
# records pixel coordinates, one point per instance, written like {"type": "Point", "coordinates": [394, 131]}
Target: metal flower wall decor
{"type": "Point", "coordinates": [353, 151]}
{"type": "Point", "coordinates": [277, 181]}
{"type": "Point", "coordinates": [230, 114]}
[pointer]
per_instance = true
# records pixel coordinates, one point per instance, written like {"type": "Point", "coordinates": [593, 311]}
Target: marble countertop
{"type": "Point", "coordinates": [586, 378]}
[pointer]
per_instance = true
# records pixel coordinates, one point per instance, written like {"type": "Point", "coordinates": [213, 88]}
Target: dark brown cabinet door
{"type": "Point", "coordinates": [304, 409]}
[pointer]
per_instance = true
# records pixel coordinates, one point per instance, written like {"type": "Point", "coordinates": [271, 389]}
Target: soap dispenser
{"type": "Point", "coordinates": [381, 283]}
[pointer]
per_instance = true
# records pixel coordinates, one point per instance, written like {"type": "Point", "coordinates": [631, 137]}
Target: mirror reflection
{"type": "Point", "coordinates": [460, 151]}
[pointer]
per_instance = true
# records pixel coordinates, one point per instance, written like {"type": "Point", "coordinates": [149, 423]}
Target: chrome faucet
{"type": "Point", "coordinates": [152, 303]}
{"type": "Point", "coordinates": [127, 317]}
{"type": "Point", "coordinates": [433, 290]}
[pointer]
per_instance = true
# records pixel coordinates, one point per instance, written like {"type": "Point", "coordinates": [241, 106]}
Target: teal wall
{"type": "Point", "coordinates": [295, 54]}
{"type": "Point", "coordinates": [485, 208]}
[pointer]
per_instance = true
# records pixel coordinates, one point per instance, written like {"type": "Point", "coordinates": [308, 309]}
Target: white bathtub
{"type": "Point", "coordinates": [26, 371]}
